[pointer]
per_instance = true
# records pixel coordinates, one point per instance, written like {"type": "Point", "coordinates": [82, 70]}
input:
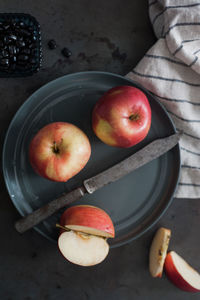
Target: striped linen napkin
{"type": "Point", "coordinates": [170, 70]}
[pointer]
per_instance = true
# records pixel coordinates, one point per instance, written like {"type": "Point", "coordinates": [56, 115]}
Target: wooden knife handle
{"type": "Point", "coordinates": [47, 210]}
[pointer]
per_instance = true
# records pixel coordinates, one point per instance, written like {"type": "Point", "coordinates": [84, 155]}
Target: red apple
{"type": "Point", "coordinates": [122, 117]}
{"type": "Point", "coordinates": [59, 151]}
{"type": "Point", "coordinates": [158, 251]}
{"type": "Point", "coordinates": [181, 274]}
{"type": "Point", "coordinates": [88, 219]}
{"type": "Point", "coordinates": [84, 230]}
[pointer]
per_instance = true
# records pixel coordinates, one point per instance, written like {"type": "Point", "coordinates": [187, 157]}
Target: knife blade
{"type": "Point", "coordinates": [150, 152]}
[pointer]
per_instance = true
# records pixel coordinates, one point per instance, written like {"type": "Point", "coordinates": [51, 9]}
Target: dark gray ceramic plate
{"type": "Point", "coordinates": [134, 203]}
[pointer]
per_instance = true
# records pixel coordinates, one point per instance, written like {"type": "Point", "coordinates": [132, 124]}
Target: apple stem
{"type": "Point", "coordinates": [134, 117]}
{"type": "Point", "coordinates": [62, 227]}
{"type": "Point", "coordinates": [55, 148]}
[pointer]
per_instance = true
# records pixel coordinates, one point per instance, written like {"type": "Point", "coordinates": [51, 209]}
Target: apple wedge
{"type": "Point", "coordinates": [82, 249]}
{"type": "Point", "coordinates": [181, 273]}
{"type": "Point", "coordinates": [88, 219]}
{"type": "Point", "coordinates": [158, 251]}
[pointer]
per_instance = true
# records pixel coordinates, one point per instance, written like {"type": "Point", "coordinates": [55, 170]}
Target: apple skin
{"type": "Point", "coordinates": [59, 151]}
{"type": "Point", "coordinates": [122, 117]}
{"type": "Point", "coordinates": [175, 276]}
{"type": "Point", "coordinates": [89, 217]}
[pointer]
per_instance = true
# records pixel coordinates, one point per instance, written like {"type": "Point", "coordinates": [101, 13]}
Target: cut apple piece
{"type": "Point", "coordinates": [88, 219]}
{"type": "Point", "coordinates": [83, 249]}
{"type": "Point", "coordinates": [158, 251]}
{"type": "Point", "coordinates": [181, 273]}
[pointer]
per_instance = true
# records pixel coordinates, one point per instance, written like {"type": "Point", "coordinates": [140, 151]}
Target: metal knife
{"type": "Point", "coordinates": [133, 162]}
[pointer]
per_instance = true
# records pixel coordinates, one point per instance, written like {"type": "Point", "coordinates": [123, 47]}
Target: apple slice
{"type": "Point", "coordinates": [181, 273]}
{"type": "Point", "coordinates": [88, 219]}
{"type": "Point", "coordinates": [83, 249]}
{"type": "Point", "coordinates": [158, 251]}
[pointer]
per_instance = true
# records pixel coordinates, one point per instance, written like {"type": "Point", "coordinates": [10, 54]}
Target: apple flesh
{"type": "Point", "coordinates": [59, 151]}
{"type": "Point", "coordinates": [158, 251]}
{"type": "Point", "coordinates": [81, 249]}
{"type": "Point", "coordinates": [88, 219]}
{"type": "Point", "coordinates": [181, 273]}
{"type": "Point", "coordinates": [122, 117]}
{"type": "Point", "coordinates": [83, 235]}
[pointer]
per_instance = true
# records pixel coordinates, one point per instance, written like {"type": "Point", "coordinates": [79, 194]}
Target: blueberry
{"type": "Point", "coordinates": [34, 51]}
{"type": "Point", "coordinates": [34, 38]}
{"type": "Point", "coordinates": [6, 26]}
{"type": "Point", "coordinates": [31, 28]}
{"type": "Point", "coordinates": [13, 23]}
{"type": "Point", "coordinates": [4, 53]}
{"type": "Point", "coordinates": [66, 52]}
{"type": "Point", "coordinates": [52, 44]}
{"type": "Point", "coordinates": [26, 51]}
{"type": "Point", "coordinates": [14, 59]}
{"type": "Point", "coordinates": [6, 40]}
{"type": "Point", "coordinates": [23, 57]}
{"type": "Point", "coordinates": [20, 38]}
{"type": "Point", "coordinates": [13, 37]}
{"type": "Point", "coordinates": [25, 32]}
{"type": "Point", "coordinates": [21, 24]}
{"type": "Point", "coordinates": [33, 61]}
{"type": "Point", "coordinates": [13, 67]}
{"type": "Point", "coordinates": [4, 62]}
{"type": "Point", "coordinates": [12, 50]}
{"type": "Point", "coordinates": [20, 44]}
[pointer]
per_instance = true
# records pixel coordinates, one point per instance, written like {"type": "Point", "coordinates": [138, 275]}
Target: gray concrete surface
{"type": "Point", "coordinates": [31, 268]}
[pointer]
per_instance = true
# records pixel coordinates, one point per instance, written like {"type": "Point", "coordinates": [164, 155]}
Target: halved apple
{"type": "Point", "coordinates": [82, 249]}
{"type": "Point", "coordinates": [158, 251]}
{"type": "Point", "coordinates": [88, 219]}
{"type": "Point", "coordinates": [84, 233]}
{"type": "Point", "coordinates": [181, 273]}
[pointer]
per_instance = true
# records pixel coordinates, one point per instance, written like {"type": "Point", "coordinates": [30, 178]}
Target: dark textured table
{"type": "Point", "coordinates": [30, 266]}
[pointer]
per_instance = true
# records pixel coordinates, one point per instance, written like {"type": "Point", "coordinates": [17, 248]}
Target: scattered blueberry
{"type": "Point", "coordinates": [66, 52]}
{"type": "Point", "coordinates": [52, 44]}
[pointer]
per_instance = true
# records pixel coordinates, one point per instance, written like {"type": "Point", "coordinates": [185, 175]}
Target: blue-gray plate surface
{"type": "Point", "coordinates": [134, 203]}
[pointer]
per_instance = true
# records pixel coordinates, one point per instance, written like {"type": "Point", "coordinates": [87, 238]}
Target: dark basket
{"type": "Point", "coordinates": [29, 32]}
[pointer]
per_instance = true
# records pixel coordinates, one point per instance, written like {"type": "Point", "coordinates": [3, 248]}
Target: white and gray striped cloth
{"type": "Point", "coordinates": [171, 71]}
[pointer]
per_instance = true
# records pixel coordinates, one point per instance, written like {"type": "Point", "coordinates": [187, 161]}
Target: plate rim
{"type": "Point", "coordinates": [71, 75]}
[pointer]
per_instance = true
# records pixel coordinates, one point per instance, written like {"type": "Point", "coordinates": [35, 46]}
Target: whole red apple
{"type": "Point", "coordinates": [59, 151]}
{"type": "Point", "coordinates": [122, 117]}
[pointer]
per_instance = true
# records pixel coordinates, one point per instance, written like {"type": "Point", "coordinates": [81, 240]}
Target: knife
{"type": "Point", "coordinates": [150, 152]}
